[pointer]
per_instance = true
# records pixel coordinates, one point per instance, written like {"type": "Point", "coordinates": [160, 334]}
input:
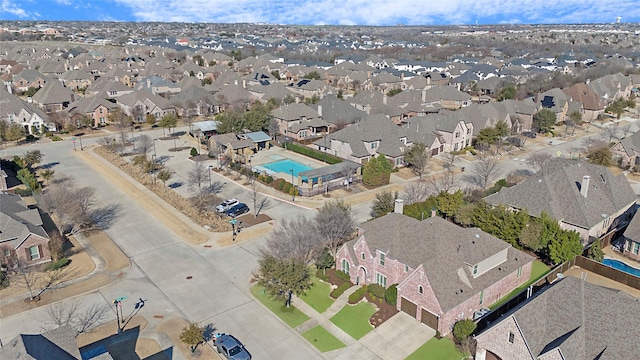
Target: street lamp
{"type": "Point", "coordinates": [154, 147]}
{"type": "Point", "coordinates": [250, 169]}
{"type": "Point", "coordinates": [80, 138]}
{"type": "Point", "coordinates": [209, 167]}
{"type": "Point", "coordinates": [153, 161]}
{"type": "Point", "coordinates": [293, 193]}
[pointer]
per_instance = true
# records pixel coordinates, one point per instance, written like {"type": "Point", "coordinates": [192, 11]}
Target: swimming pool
{"type": "Point", "coordinates": [285, 166]}
{"type": "Point", "coordinates": [621, 266]}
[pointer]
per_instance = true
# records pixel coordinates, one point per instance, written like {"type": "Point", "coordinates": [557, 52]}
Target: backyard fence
{"type": "Point", "coordinates": [608, 272]}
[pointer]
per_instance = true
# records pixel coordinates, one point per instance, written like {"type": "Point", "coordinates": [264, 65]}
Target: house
{"type": "Point", "coordinates": [59, 343]}
{"type": "Point", "coordinates": [53, 97]}
{"type": "Point", "coordinates": [29, 78]}
{"type": "Point", "coordinates": [230, 144]}
{"type": "Point", "coordinates": [95, 107]}
{"type": "Point", "coordinates": [627, 150]}
{"type": "Point", "coordinates": [572, 319]}
{"type": "Point", "coordinates": [32, 118]}
{"type": "Point", "coordinates": [195, 101]}
{"type": "Point", "coordinates": [631, 236]}
{"type": "Point", "coordinates": [444, 273]}
{"type": "Point", "coordinates": [584, 197]}
{"type": "Point", "coordinates": [260, 139]}
{"type": "Point", "coordinates": [592, 104]}
{"type": "Point", "coordinates": [141, 103]}
{"type": "Point", "coordinates": [22, 236]}
{"type": "Point", "coordinates": [554, 100]}
{"type": "Point", "coordinates": [299, 121]}
{"type": "Point", "coordinates": [157, 85]}
{"type": "Point", "coordinates": [112, 88]}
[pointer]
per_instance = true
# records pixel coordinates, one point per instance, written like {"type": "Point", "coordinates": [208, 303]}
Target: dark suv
{"type": "Point", "coordinates": [231, 348]}
{"type": "Point", "coordinates": [237, 209]}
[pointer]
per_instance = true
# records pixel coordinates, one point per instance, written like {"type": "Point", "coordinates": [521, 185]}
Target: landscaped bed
{"type": "Point", "coordinates": [322, 339]}
{"type": "Point", "coordinates": [290, 315]}
{"type": "Point", "coordinates": [354, 319]}
{"type": "Point", "coordinates": [384, 312]}
{"type": "Point", "coordinates": [318, 296]}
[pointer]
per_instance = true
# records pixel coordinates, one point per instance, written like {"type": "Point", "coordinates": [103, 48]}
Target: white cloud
{"type": "Point", "coordinates": [365, 12]}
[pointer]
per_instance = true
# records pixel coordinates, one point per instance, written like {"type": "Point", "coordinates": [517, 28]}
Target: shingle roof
{"type": "Point", "coordinates": [631, 143]}
{"type": "Point", "coordinates": [443, 248]}
{"type": "Point", "coordinates": [555, 189]}
{"type": "Point", "coordinates": [56, 344]}
{"type": "Point", "coordinates": [633, 230]}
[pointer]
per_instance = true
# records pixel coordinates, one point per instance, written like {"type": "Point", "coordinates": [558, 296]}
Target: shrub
{"type": "Point", "coordinates": [357, 295]}
{"type": "Point", "coordinates": [54, 265]}
{"type": "Point", "coordinates": [261, 178]}
{"type": "Point", "coordinates": [278, 184]}
{"type": "Point", "coordinates": [194, 151]}
{"type": "Point", "coordinates": [343, 276]}
{"type": "Point", "coordinates": [286, 187]}
{"type": "Point", "coordinates": [318, 155]}
{"type": "Point", "coordinates": [56, 138]}
{"type": "Point", "coordinates": [294, 191]}
{"type": "Point", "coordinates": [462, 329]}
{"type": "Point", "coordinates": [269, 179]}
{"type": "Point", "coordinates": [391, 294]}
{"type": "Point", "coordinates": [340, 290]}
{"type": "Point", "coordinates": [322, 275]}
{"type": "Point", "coordinates": [376, 290]}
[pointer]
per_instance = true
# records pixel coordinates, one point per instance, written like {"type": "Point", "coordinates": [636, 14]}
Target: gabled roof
{"type": "Point", "coordinates": [53, 93]}
{"type": "Point", "coordinates": [443, 249]}
{"type": "Point", "coordinates": [56, 344]}
{"type": "Point", "coordinates": [582, 93]}
{"type": "Point", "coordinates": [631, 144]}
{"type": "Point", "coordinates": [555, 189]}
{"type": "Point", "coordinates": [336, 111]}
{"type": "Point", "coordinates": [295, 111]}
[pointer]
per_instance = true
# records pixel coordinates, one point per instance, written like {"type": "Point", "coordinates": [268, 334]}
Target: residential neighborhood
{"type": "Point", "coordinates": [320, 192]}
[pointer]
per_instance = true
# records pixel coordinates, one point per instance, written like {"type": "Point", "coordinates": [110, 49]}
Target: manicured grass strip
{"type": "Point", "coordinates": [442, 349]}
{"type": "Point", "coordinates": [291, 316]}
{"type": "Point", "coordinates": [318, 296]}
{"type": "Point", "coordinates": [538, 270]}
{"type": "Point", "coordinates": [354, 320]}
{"type": "Point", "coordinates": [322, 339]}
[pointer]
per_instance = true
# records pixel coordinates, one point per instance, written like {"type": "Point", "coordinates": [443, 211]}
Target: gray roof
{"type": "Point", "coordinates": [53, 93]}
{"type": "Point", "coordinates": [633, 230]}
{"type": "Point", "coordinates": [295, 111]}
{"type": "Point", "coordinates": [17, 221]}
{"type": "Point", "coordinates": [444, 249]}
{"type": "Point", "coordinates": [372, 128]}
{"type": "Point", "coordinates": [555, 189]}
{"type": "Point", "coordinates": [257, 136]}
{"type": "Point", "coordinates": [59, 344]}
{"type": "Point", "coordinates": [582, 320]}
{"type": "Point", "coordinates": [631, 143]}
{"type": "Point", "coordinates": [336, 111]}
{"type": "Point", "coordinates": [208, 125]}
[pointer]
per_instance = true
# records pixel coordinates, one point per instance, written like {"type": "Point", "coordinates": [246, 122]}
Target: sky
{"type": "Point", "coordinates": [329, 12]}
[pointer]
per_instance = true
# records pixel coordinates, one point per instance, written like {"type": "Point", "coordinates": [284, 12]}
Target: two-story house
{"type": "Point", "coordinates": [299, 121]}
{"type": "Point", "coordinates": [627, 150]}
{"type": "Point", "coordinates": [444, 273]}
{"type": "Point", "coordinates": [23, 237]}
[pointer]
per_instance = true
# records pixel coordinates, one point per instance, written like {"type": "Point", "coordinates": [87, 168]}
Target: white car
{"type": "Point", "coordinates": [226, 205]}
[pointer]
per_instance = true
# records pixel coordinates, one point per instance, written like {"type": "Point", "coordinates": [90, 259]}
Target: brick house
{"type": "Point", "coordinates": [22, 236]}
{"type": "Point", "coordinates": [444, 272]}
{"type": "Point", "coordinates": [627, 151]}
{"type": "Point", "coordinates": [631, 236]}
{"type": "Point", "coordinates": [571, 319]}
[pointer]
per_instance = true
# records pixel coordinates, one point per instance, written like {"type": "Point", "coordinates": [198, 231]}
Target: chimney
{"type": "Point", "coordinates": [384, 99]}
{"type": "Point", "coordinates": [244, 83]}
{"type": "Point", "coordinates": [235, 82]}
{"type": "Point", "coordinates": [398, 206]}
{"type": "Point", "coordinates": [584, 187]}
{"type": "Point", "coordinates": [320, 110]}
{"type": "Point", "coordinates": [433, 212]}
{"type": "Point", "coordinates": [424, 95]}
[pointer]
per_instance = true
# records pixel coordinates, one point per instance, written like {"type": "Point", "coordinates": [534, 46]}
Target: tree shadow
{"type": "Point", "coordinates": [105, 216]}
{"type": "Point", "coordinates": [49, 165]}
{"type": "Point", "coordinates": [214, 188]}
{"type": "Point", "coordinates": [209, 332]}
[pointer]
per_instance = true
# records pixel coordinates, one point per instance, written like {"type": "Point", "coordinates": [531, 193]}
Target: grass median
{"type": "Point", "coordinates": [322, 339]}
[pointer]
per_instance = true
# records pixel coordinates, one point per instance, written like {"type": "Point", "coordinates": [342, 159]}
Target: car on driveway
{"type": "Point", "coordinates": [231, 348]}
{"type": "Point", "coordinates": [226, 205]}
{"type": "Point", "coordinates": [237, 209]}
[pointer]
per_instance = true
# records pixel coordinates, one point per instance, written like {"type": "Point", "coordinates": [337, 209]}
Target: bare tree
{"type": "Point", "coordinates": [144, 144]}
{"type": "Point", "coordinates": [485, 172]}
{"type": "Point", "coordinates": [164, 175]}
{"type": "Point", "coordinates": [538, 159]}
{"type": "Point", "coordinates": [609, 133]}
{"type": "Point", "coordinates": [71, 205]}
{"type": "Point", "coordinates": [626, 130]}
{"type": "Point", "coordinates": [335, 223]}
{"type": "Point", "coordinates": [259, 201]}
{"type": "Point", "coordinates": [122, 123]}
{"type": "Point", "coordinates": [591, 143]}
{"type": "Point", "coordinates": [70, 313]}
{"type": "Point", "coordinates": [197, 175]}
{"type": "Point", "coordinates": [415, 192]}
{"type": "Point", "coordinates": [35, 281]}
{"type": "Point", "coordinates": [204, 201]}
{"type": "Point", "coordinates": [443, 183]}
{"type": "Point", "coordinates": [449, 159]}
{"type": "Point", "coordinates": [292, 240]}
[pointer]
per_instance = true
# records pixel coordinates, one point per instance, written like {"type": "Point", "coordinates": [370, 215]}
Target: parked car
{"type": "Point", "coordinates": [231, 348]}
{"type": "Point", "coordinates": [226, 205]}
{"type": "Point", "coordinates": [237, 209]}
{"type": "Point", "coordinates": [480, 313]}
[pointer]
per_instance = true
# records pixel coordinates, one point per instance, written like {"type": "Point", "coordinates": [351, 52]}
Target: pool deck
{"type": "Point", "coordinates": [596, 279]}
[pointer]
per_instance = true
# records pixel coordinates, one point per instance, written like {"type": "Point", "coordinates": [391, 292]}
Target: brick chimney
{"type": "Point", "coordinates": [398, 206]}
{"type": "Point", "coordinates": [584, 187]}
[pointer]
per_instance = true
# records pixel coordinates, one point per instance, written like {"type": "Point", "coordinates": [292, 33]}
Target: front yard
{"type": "Point", "coordinates": [290, 315]}
{"type": "Point", "coordinates": [318, 296]}
{"type": "Point", "coordinates": [441, 349]}
{"type": "Point", "coordinates": [354, 319]}
{"type": "Point", "coordinates": [322, 339]}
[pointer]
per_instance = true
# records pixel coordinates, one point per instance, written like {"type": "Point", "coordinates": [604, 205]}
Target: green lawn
{"type": "Point", "coordinates": [318, 296]}
{"type": "Point", "coordinates": [322, 339]}
{"type": "Point", "coordinates": [291, 316]}
{"type": "Point", "coordinates": [435, 349]}
{"type": "Point", "coordinates": [538, 270]}
{"type": "Point", "coordinates": [354, 320]}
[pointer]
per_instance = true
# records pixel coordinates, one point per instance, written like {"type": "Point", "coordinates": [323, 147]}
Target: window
{"type": "Point", "coordinates": [475, 270]}
{"type": "Point", "coordinates": [457, 134]}
{"type": "Point", "coordinates": [406, 268]}
{"type": "Point", "coordinates": [303, 134]}
{"type": "Point", "coordinates": [382, 259]}
{"type": "Point", "coordinates": [420, 289]}
{"type": "Point", "coordinates": [345, 266]}
{"type": "Point", "coordinates": [374, 145]}
{"type": "Point", "coordinates": [468, 131]}
{"type": "Point", "coordinates": [381, 280]}
{"type": "Point", "coordinates": [520, 271]}
{"type": "Point", "coordinates": [636, 246]}
{"type": "Point", "coordinates": [481, 297]}
{"type": "Point", "coordinates": [362, 256]}
{"type": "Point", "coordinates": [34, 252]}
{"type": "Point", "coordinates": [100, 110]}
{"type": "Point", "coordinates": [629, 245]}
{"type": "Point", "coordinates": [511, 337]}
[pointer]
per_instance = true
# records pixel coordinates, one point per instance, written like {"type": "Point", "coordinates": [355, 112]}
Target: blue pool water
{"type": "Point", "coordinates": [621, 266]}
{"type": "Point", "coordinates": [285, 166]}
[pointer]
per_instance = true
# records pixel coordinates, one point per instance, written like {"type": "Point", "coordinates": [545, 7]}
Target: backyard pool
{"type": "Point", "coordinates": [285, 166]}
{"type": "Point", "coordinates": [621, 266]}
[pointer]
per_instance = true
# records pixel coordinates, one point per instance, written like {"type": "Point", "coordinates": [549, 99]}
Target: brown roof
{"type": "Point", "coordinates": [582, 93]}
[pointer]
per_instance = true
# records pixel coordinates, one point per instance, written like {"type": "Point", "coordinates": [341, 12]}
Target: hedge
{"type": "Point", "coordinates": [286, 187]}
{"type": "Point", "coordinates": [357, 295]}
{"type": "Point", "coordinates": [322, 275]}
{"type": "Point", "coordinates": [54, 265]}
{"type": "Point", "coordinates": [279, 184]}
{"type": "Point", "coordinates": [340, 290]}
{"type": "Point", "coordinates": [391, 294]}
{"type": "Point", "coordinates": [376, 290]}
{"type": "Point", "coordinates": [318, 155]}
{"type": "Point", "coordinates": [343, 275]}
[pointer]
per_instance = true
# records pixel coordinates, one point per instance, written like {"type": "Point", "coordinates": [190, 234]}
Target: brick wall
{"type": "Point", "coordinates": [34, 240]}
{"type": "Point", "coordinates": [496, 340]}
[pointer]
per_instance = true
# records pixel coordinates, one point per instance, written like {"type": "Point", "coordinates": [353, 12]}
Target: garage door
{"type": "Point", "coordinates": [429, 319]}
{"type": "Point", "coordinates": [408, 307]}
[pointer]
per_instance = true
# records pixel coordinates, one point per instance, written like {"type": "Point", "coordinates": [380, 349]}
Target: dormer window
{"type": "Point", "coordinates": [374, 145]}
{"type": "Point", "coordinates": [381, 259]}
